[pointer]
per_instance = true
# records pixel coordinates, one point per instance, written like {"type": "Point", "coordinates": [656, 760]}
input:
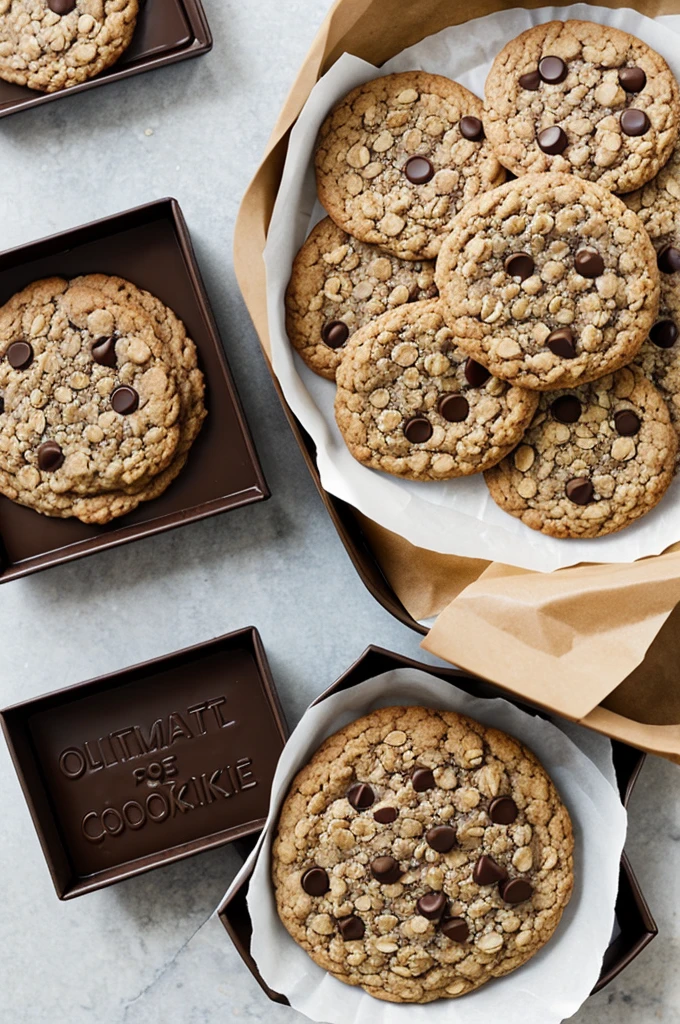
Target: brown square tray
{"type": "Point", "coordinates": [150, 246]}
{"type": "Point", "coordinates": [635, 927]}
{"type": "Point", "coordinates": [167, 31]}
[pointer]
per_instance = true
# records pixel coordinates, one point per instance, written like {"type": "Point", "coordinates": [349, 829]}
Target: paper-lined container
{"type": "Point", "coordinates": [586, 628]}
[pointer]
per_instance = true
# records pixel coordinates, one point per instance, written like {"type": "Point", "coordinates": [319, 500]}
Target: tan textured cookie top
{"type": "Point", "coordinates": [594, 460]}
{"type": "Point", "coordinates": [376, 864]}
{"type": "Point", "coordinates": [659, 357]}
{"type": "Point", "coordinates": [409, 402]}
{"type": "Point", "coordinates": [371, 139]}
{"type": "Point", "coordinates": [658, 203]}
{"type": "Point", "coordinates": [550, 281]}
{"type": "Point", "coordinates": [609, 104]}
{"type": "Point", "coordinates": [339, 284]}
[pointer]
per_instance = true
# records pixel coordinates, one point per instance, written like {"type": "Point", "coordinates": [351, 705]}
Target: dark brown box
{"type": "Point", "coordinates": [167, 31]}
{"type": "Point", "coordinates": [150, 246]}
{"type": "Point", "coordinates": [151, 764]}
{"type": "Point", "coordinates": [635, 927]}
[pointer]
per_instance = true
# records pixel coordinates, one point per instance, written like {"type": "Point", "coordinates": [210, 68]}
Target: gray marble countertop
{"type": "Point", "coordinates": [131, 954]}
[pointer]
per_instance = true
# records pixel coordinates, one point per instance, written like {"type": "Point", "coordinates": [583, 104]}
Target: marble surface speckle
{"type": "Point", "coordinates": [141, 952]}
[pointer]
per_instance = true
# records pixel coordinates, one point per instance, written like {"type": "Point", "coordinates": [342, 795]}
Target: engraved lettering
{"type": "Point", "coordinates": [72, 763]}
{"type": "Point", "coordinates": [156, 740]}
{"type": "Point", "coordinates": [93, 763]}
{"type": "Point", "coordinates": [118, 825]}
{"type": "Point", "coordinates": [93, 837]}
{"type": "Point", "coordinates": [102, 741]}
{"type": "Point", "coordinates": [157, 799]}
{"type": "Point", "coordinates": [214, 789]}
{"type": "Point", "coordinates": [198, 709]}
{"type": "Point", "coordinates": [178, 727]}
{"type": "Point", "coordinates": [170, 765]}
{"type": "Point", "coordinates": [134, 814]}
{"type": "Point", "coordinates": [244, 774]}
{"type": "Point", "coordinates": [139, 775]}
{"type": "Point", "coordinates": [177, 801]}
{"type": "Point", "coordinates": [121, 736]}
{"type": "Point", "coordinates": [215, 706]}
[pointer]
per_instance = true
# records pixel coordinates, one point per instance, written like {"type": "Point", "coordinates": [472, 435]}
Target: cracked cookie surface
{"type": "Point", "coordinates": [399, 156]}
{"type": "Point", "coordinates": [608, 104]}
{"type": "Point", "coordinates": [410, 403]}
{"type": "Point", "coordinates": [50, 45]}
{"type": "Point", "coordinates": [420, 854]}
{"type": "Point", "coordinates": [594, 460]}
{"type": "Point", "coordinates": [549, 281]}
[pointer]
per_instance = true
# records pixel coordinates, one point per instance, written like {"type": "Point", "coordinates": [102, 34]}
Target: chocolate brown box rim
{"type": "Point", "coordinates": [13, 720]}
{"type": "Point", "coordinates": [200, 43]}
{"type": "Point", "coordinates": [636, 925]}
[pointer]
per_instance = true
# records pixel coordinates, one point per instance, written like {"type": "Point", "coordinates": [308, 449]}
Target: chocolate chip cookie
{"type": "Point", "coordinates": [420, 854]}
{"type": "Point", "coordinates": [584, 98]}
{"type": "Point", "coordinates": [409, 402]}
{"type": "Point", "coordinates": [339, 284]}
{"type": "Point", "coordinates": [399, 156]}
{"type": "Point", "coordinates": [549, 281]}
{"type": "Point", "coordinates": [594, 460]}
{"type": "Point", "coordinates": [52, 44]}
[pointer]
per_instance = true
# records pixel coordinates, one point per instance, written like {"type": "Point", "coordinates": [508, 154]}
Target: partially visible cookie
{"type": "Point", "coordinates": [549, 281]}
{"type": "Point", "coordinates": [594, 460]}
{"type": "Point", "coordinates": [409, 402]}
{"type": "Point", "coordinates": [52, 44]}
{"type": "Point", "coordinates": [399, 156]}
{"type": "Point", "coordinates": [338, 284]}
{"type": "Point", "coordinates": [582, 98]}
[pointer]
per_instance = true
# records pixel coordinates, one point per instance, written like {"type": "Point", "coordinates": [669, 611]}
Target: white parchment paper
{"type": "Point", "coordinates": [555, 982]}
{"type": "Point", "coordinates": [455, 517]}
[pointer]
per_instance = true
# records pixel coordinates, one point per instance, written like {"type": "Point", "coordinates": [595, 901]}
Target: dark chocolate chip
{"type": "Point", "coordinates": [441, 838]}
{"type": "Point", "coordinates": [553, 70]}
{"type": "Point", "coordinates": [61, 6]}
{"type": "Point", "coordinates": [351, 928]}
{"type": "Point", "coordinates": [124, 400]}
{"type": "Point", "coordinates": [664, 334]}
{"type": "Point", "coordinates": [418, 430]}
{"type": "Point", "coordinates": [315, 882]}
{"type": "Point", "coordinates": [580, 490]}
{"type": "Point", "coordinates": [589, 263]}
{"type": "Point", "coordinates": [472, 128]}
{"type": "Point", "coordinates": [361, 796]}
{"type": "Point", "coordinates": [566, 409]}
{"type": "Point", "coordinates": [454, 408]}
{"type": "Point", "coordinates": [419, 170]}
{"type": "Point", "coordinates": [627, 423]}
{"type": "Point", "coordinates": [503, 810]}
{"type": "Point", "coordinates": [553, 140]}
{"type": "Point", "coordinates": [632, 79]}
{"type": "Point", "coordinates": [422, 780]}
{"type": "Point", "coordinates": [531, 81]}
{"type": "Point", "coordinates": [520, 265]}
{"type": "Point", "coordinates": [669, 260]}
{"type": "Point", "coordinates": [2, 405]}
{"type": "Point", "coordinates": [455, 929]}
{"type": "Point", "coordinates": [335, 334]}
{"type": "Point", "coordinates": [386, 815]}
{"type": "Point", "coordinates": [50, 457]}
{"type": "Point", "coordinates": [386, 870]}
{"type": "Point", "coordinates": [20, 355]}
{"type": "Point", "coordinates": [516, 890]}
{"type": "Point", "coordinates": [104, 351]}
{"type": "Point", "coordinates": [488, 872]}
{"type": "Point", "coordinates": [475, 374]}
{"type": "Point", "coordinates": [634, 122]}
{"type": "Point", "coordinates": [561, 343]}
{"type": "Point", "coordinates": [432, 906]}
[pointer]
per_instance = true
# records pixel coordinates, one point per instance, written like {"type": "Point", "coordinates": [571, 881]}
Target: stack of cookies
{"type": "Point", "coordinates": [524, 329]}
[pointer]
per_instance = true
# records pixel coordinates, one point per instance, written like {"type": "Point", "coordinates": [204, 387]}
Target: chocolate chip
{"type": "Point", "coordinates": [422, 780]}
{"type": "Point", "coordinates": [475, 374]}
{"type": "Point", "coordinates": [351, 928]}
{"type": "Point", "coordinates": [386, 815]}
{"type": "Point", "coordinates": [315, 882]}
{"type": "Point", "coordinates": [589, 263]}
{"type": "Point", "coordinates": [488, 872]}
{"type": "Point", "coordinates": [664, 334]}
{"type": "Point", "coordinates": [503, 810]}
{"type": "Point", "coordinates": [561, 343]}
{"type": "Point", "coordinates": [520, 265]}
{"type": "Point", "coordinates": [553, 70]}
{"type": "Point", "coordinates": [61, 6]}
{"type": "Point", "coordinates": [566, 409]}
{"type": "Point", "coordinates": [335, 334]}
{"type": "Point", "coordinates": [531, 81]}
{"type": "Point", "coordinates": [419, 170]}
{"type": "Point", "coordinates": [627, 423]}
{"type": "Point", "coordinates": [472, 128]}
{"type": "Point", "coordinates": [50, 457]}
{"type": "Point", "coordinates": [580, 490]}
{"type": "Point", "coordinates": [634, 122]}
{"type": "Point", "coordinates": [669, 260]}
{"type": "Point", "coordinates": [553, 140]}
{"type": "Point", "coordinates": [441, 838]}
{"type": "Point", "coordinates": [361, 796]}
{"type": "Point", "coordinates": [632, 79]}
{"type": "Point", "coordinates": [418, 430]}
{"type": "Point", "coordinates": [432, 906]}
{"type": "Point", "coordinates": [516, 890]}
{"type": "Point", "coordinates": [455, 929]}
{"type": "Point", "coordinates": [386, 870]}
{"type": "Point", "coordinates": [20, 355]}
{"type": "Point", "coordinates": [104, 351]}
{"type": "Point", "coordinates": [454, 408]}
{"type": "Point", "coordinates": [2, 405]}
{"type": "Point", "coordinates": [124, 400]}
